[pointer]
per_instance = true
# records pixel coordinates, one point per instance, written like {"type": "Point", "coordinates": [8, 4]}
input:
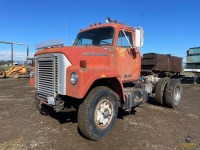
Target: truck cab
{"type": "Point", "coordinates": [100, 53]}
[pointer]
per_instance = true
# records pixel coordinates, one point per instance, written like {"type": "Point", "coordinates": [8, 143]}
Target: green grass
{"type": "Point", "coordinates": [5, 67]}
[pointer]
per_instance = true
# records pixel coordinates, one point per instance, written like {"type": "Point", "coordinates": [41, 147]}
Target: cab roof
{"type": "Point", "coordinates": [111, 24]}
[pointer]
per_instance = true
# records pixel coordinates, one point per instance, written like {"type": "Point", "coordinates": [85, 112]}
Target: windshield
{"type": "Point", "coordinates": [95, 37]}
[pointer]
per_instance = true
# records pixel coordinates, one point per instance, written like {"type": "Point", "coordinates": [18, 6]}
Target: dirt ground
{"type": "Point", "coordinates": [150, 127]}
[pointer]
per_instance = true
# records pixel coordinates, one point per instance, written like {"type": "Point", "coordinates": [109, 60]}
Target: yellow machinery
{"type": "Point", "coordinates": [15, 71]}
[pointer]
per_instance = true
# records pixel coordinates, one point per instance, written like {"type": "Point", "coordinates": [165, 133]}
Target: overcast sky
{"type": "Point", "coordinates": [171, 26]}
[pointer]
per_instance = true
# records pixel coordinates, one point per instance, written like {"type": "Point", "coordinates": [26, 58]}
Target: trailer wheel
{"type": "Point", "coordinates": [15, 75]}
{"type": "Point", "coordinates": [98, 113]}
{"type": "Point", "coordinates": [173, 93]}
{"type": "Point", "coordinates": [160, 90]}
{"type": "Point", "coordinates": [2, 73]}
{"type": "Point", "coordinates": [42, 108]}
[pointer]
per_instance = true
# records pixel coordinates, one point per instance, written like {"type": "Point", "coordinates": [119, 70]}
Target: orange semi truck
{"type": "Point", "coordinates": [98, 74]}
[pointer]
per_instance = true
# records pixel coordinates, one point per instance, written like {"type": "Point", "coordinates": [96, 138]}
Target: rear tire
{"type": "Point", "coordinates": [160, 90]}
{"type": "Point", "coordinates": [2, 73]}
{"type": "Point", "coordinates": [173, 93]}
{"type": "Point", "coordinates": [98, 113]}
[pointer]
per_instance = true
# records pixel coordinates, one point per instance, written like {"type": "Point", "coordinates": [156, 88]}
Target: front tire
{"type": "Point", "coordinates": [98, 113]}
{"type": "Point", "coordinates": [15, 75]}
{"type": "Point", "coordinates": [42, 108]}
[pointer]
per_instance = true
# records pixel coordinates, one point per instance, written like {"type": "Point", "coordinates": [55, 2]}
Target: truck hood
{"type": "Point", "coordinates": [94, 55]}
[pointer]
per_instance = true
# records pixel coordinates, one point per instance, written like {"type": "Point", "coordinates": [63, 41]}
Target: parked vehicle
{"type": "Point", "coordinates": [193, 63]}
{"type": "Point", "coordinates": [15, 72]}
{"type": "Point", "coordinates": [98, 74]}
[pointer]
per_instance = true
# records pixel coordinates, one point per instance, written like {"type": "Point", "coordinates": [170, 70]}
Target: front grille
{"type": "Point", "coordinates": [47, 77]}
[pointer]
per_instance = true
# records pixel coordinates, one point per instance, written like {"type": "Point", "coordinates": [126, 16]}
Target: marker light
{"type": "Point", "coordinates": [108, 20]}
{"type": "Point", "coordinates": [83, 63]}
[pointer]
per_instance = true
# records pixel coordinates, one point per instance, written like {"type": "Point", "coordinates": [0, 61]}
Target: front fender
{"type": "Point", "coordinates": [86, 77]}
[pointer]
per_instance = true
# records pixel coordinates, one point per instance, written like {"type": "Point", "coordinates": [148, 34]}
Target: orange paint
{"type": "Point", "coordinates": [105, 62]}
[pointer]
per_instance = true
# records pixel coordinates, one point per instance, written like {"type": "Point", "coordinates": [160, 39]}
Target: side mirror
{"type": "Point", "coordinates": [139, 37]}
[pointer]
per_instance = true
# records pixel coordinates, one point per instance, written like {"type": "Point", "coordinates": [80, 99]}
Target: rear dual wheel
{"type": "Point", "coordinates": [173, 93]}
{"type": "Point", "coordinates": [161, 90]}
{"type": "Point", "coordinates": [168, 92]}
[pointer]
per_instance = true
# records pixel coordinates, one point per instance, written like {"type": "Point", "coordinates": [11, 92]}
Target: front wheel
{"type": "Point", "coordinates": [42, 108]}
{"type": "Point", "coordinates": [98, 113]}
{"type": "Point", "coordinates": [15, 75]}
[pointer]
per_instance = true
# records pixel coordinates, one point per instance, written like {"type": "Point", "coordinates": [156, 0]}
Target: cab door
{"type": "Point", "coordinates": [128, 57]}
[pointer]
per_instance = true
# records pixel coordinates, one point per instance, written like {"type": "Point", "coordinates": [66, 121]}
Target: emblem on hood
{"type": "Point", "coordinates": [94, 54]}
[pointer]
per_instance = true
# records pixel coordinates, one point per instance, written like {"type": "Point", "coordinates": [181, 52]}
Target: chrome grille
{"type": "Point", "coordinates": [47, 77]}
{"type": "Point", "coordinates": [56, 74]}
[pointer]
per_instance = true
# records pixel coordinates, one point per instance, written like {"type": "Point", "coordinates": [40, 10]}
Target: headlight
{"type": "Point", "coordinates": [74, 78]}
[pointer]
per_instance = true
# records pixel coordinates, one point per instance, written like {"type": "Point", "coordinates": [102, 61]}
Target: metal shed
{"type": "Point", "coordinates": [193, 61]}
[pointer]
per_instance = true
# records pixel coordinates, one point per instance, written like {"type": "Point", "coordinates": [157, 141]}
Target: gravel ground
{"type": "Point", "coordinates": [150, 127]}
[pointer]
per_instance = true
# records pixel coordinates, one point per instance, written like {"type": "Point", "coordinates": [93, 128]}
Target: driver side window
{"type": "Point", "coordinates": [124, 39]}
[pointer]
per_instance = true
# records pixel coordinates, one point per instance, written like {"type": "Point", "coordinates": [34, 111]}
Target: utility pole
{"type": "Point", "coordinates": [11, 53]}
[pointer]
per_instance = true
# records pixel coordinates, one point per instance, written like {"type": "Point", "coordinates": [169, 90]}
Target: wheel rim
{"type": "Point", "coordinates": [177, 94]}
{"type": "Point", "coordinates": [103, 113]}
{"type": "Point", "coordinates": [16, 75]}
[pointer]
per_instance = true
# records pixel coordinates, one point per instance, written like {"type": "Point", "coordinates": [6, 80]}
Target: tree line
{"type": "Point", "coordinates": [3, 62]}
